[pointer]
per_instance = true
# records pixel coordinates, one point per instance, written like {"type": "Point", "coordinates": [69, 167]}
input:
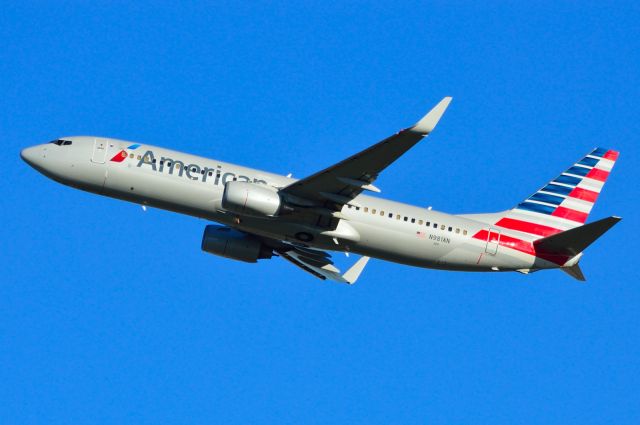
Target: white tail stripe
{"type": "Point", "coordinates": [605, 164]}
{"type": "Point", "coordinates": [533, 201]}
{"type": "Point", "coordinates": [591, 184]}
{"type": "Point", "coordinates": [578, 205]}
{"type": "Point", "coordinates": [544, 219]}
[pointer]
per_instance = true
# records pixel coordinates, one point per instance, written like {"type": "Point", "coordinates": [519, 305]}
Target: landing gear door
{"type": "Point", "coordinates": [99, 151]}
{"type": "Point", "coordinates": [493, 240]}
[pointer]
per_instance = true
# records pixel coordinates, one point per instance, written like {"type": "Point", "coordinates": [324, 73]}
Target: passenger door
{"type": "Point", "coordinates": [99, 151]}
{"type": "Point", "coordinates": [493, 240]}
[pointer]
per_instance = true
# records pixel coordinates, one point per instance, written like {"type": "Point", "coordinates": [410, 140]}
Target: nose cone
{"type": "Point", "coordinates": [31, 155]}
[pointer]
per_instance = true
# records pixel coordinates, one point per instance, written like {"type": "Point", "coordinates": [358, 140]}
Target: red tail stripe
{"type": "Point", "coordinates": [570, 214]}
{"type": "Point", "coordinates": [584, 194]}
{"type": "Point", "coordinates": [524, 226]}
{"type": "Point", "coordinates": [598, 174]}
{"type": "Point", "coordinates": [612, 155]}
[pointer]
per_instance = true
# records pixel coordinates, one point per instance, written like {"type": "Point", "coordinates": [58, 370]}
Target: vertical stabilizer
{"type": "Point", "coordinates": [565, 202]}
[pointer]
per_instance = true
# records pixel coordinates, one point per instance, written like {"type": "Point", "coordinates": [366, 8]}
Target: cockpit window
{"type": "Point", "coordinates": [61, 142]}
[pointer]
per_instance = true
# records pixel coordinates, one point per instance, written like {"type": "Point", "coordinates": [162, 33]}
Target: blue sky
{"type": "Point", "coordinates": [109, 314]}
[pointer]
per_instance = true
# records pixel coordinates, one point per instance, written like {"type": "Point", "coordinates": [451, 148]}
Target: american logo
{"type": "Point", "coordinates": [120, 156]}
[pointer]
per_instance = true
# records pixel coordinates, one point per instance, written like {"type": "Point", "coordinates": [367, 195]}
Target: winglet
{"type": "Point", "coordinates": [429, 121]}
{"type": "Point", "coordinates": [353, 273]}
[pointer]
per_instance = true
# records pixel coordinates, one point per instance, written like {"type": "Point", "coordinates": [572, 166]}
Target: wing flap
{"type": "Point", "coordinates": [324, 270]}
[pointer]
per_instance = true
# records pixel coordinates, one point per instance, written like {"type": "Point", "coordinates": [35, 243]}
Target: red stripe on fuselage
{"type": "Point", "coordinates": [524, 226]}
{"type": "Point", "coordinates": [523, 246]}
{"type": "Point", "coordinates": [584, 194]}
{"type": "Point", "coordinates": [508, 241]}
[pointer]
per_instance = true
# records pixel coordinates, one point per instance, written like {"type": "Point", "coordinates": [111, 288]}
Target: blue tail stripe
{"type": "Point", "coordinates": [568, 180]}
{"type": "Point", "coordinates": [599, 152]}
{"type": "Point", "coordinates": [560, 190]}
{"type": "Point", "coordinates": [589, 162]}
{"type": "Point", "coordinates": [550, 199]}
{"type": "Point", "coordinates": [530, 206]}
{"type": "Point", "coordinates": [579, 171]}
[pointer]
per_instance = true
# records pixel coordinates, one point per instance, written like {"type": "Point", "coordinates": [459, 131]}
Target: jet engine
{"type": "Point", "coordinates": [230, 243]}
{"type": "Point", "coordinates": [251, 199]}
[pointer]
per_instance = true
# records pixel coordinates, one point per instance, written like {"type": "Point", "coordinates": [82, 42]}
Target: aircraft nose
{"type": "Point", "coordinates": [31, 155]}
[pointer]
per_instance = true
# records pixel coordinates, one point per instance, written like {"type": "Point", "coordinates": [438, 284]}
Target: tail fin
{"type": "Point", "coordinates": [565, 202]}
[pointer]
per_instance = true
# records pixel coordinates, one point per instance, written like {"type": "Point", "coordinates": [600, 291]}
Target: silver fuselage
{"type": "Point", "coordinates": [194, 185]}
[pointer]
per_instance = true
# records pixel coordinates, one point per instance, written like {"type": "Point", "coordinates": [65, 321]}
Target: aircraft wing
{"type": "Point", "coordinates": [337, 185]}
{"type": "Point", "coordinates": [316, 262]}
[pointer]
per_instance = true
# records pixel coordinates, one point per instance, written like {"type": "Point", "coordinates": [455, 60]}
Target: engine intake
{"type": "Point", "coordinates": [251, 199]}
{"type": "Point", "coordinates": [230, 243]}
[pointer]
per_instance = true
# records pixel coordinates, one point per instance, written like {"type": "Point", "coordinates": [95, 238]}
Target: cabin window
{"type": "Point", "coordinates": [131, 156]}
{"type": "Point", "coordinates": [450, 228]}
{"type": "Point", "coordinates": [420, 222]}
{"type": "Point", "coordinates": [442, 227]}
{"type": "Point", "coordinates": [457, 230]}
{"type": "Point", "coordinates": [435, 225]}
{"type": "Point", "coordinates": [357, 208]}
{"type": "Point", "coordinates": [210, 173]}
{"type": "Point", "coordinates": [428, 223]}
{"type": "Point", "coordinates": [406, 218]}
{"type": "Point", "coordinates": [398, 217]}
{"type": "Point", "coordinates": [373, 211]}
{"type": "Point", "coordinates": [413, 220]}
{"type": "Point", "coordinates": [390, 215]}
{"type": "Point", "coordinates": [381, 213]}
{"type": "Point", "coordinates": [139, 157]}
{"type": "Point", "coordinates": [366, 209]}
{"type": "Point", "coordinates": [464, 232]}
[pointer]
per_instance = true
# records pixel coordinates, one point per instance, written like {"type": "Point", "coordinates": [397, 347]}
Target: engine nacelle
{"type": "Point", "coordinates": [251, 199]}
{"type": "Point", "coordinates": [230, 243]}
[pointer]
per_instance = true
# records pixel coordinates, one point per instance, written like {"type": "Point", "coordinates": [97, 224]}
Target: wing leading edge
{"type": "Point", "coordinates": [338, 184]}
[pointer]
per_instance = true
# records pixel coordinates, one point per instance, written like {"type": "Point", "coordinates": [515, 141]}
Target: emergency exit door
{"type": "Point", "coordinates": [493, 240]}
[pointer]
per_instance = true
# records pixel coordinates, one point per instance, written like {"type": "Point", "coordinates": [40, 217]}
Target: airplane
{"type": "Point", "coordinates": [261, 214]}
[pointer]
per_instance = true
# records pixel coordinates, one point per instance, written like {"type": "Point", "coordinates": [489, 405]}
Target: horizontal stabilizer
{"type": "Point", "coordinates": [575, 272]}
{"type": "Point", "coordinates": [573, 241]}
